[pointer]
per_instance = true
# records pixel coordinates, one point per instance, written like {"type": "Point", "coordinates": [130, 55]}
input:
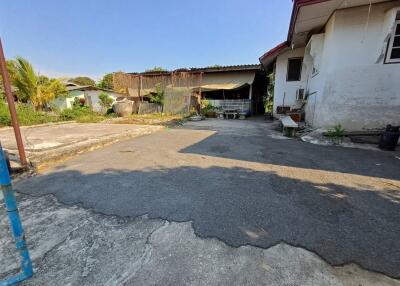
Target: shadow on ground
{"type": "Point", "coordinates": [258, 146]}
{"type": "Point", "coordinates": [241, 206]}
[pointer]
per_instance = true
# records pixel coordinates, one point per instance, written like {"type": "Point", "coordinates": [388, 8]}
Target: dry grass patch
{"type": "Point", "coordinates": [150, 119]}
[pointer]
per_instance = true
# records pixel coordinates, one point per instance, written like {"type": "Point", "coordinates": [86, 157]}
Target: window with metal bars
{"type": "Point", "coordinates": [294, 69]}
{"type": "Point", "coordinates": [393, 53]}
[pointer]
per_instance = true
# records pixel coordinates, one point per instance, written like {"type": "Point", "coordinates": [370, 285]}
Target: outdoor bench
{"type": "Point", "coordinates": [289, 126]}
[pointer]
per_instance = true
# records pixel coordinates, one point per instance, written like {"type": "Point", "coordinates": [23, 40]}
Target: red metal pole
{"type": "Point", "coordinates": [11, 107]}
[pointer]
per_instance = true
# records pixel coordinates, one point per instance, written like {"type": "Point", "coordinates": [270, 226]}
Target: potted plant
{"type": "Point", "coordinates": [208, 109]}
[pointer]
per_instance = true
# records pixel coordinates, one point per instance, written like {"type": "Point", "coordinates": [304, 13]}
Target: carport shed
{"type": "Point", "coordinates": [230, 87]}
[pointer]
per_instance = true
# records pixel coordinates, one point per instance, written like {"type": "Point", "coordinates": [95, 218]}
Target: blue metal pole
{"type": "Point", "coordinates": [15, 223]}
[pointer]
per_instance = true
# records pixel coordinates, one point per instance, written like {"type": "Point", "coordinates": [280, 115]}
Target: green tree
{"type": "Point", "coordinates": [39, 90]}
{"type": "Point", "coordinates": [11, 68]}
{"type": "Point", "coordinates": [269, 100]}
{"type": "Point", "coordinates": [42, 79]}
{"type": "Point", "coordinates": [105, 100]}
{"type": "Point", "coordinates": [107, 82]}
{"type": "Point", "coordinates": [156, 69]}
{"type": "Point", "coordinates": [158, 96]}
{"type": "Point", "coordinates": [25, 80]}
{"type": "Point", "coordinates": [215, 66]}
{"type": "Point", "coordinates": [83, 80]}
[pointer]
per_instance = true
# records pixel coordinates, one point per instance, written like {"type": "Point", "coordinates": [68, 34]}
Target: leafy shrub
{"type": "Point", "coordinates": [26, 115]}
{"type": "Point", "coordinates": [158, 96]}
{"type": "Point", "coordinates": [4, 114]}
{"type": "Point", "coordinates": [68, 114]}
{"type": "Point", "coordinates": [75, 112]}
{"type": "Point", "coordinates": [111, 113]}
{"type": "Point", "coordinates": [78, 102]}
{"type": "Point", "coordinates": [105, 100]}
{"type": "Point", "coordinates": [206, 107]}
{"type": "Point", "coordinates": [107, 82]}
{"type": "Point", "coordinates": [269, 97]}
{"type": "Point", "coordinates": [336, 133]}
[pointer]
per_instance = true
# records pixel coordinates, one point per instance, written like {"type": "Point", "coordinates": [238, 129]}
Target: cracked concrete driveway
{"type": "Point", "coordinates": [74, 246]}
{"type": "Point", "coordinates": [242, 184]}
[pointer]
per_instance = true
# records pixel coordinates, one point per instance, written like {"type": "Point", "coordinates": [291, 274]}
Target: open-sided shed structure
{"type": "Point", "coordinates": [241, 87]}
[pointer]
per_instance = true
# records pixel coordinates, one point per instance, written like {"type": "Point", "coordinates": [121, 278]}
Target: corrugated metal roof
{"type": "Point", "coordinates": [205, 69]}
{"type": "Point", "coordinates": [79, 87]}
{"type": "Point", "coordinates": [228, 68]}
{"type": "Point", "coordinates": [89, 87]}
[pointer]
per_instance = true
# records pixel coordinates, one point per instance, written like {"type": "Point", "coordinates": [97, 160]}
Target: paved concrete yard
{"type": "Point", "coordinates": [48, 142]}
{"type": "Point", "coordinates": [225, 203]}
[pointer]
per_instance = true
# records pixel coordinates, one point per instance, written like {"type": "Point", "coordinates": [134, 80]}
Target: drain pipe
{"type": "Point", "coordinates": [15, 224]}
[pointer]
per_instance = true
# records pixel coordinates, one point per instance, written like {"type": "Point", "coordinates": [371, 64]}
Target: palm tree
{"type": "Point", "coordinates": [39, 90]}
{"type": "Point", "coordinates": [25, 80]}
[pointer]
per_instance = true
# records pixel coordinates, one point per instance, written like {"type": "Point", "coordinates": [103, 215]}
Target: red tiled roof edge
{"type": "Point", "coordinates": [278, 48]}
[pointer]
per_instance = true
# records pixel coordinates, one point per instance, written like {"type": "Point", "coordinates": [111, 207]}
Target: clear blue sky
{"type": "Point", "coordinates": [92, 37]}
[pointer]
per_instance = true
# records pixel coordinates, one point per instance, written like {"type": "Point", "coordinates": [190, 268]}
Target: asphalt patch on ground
{"type": "Point", "coordinates": [241, 206]}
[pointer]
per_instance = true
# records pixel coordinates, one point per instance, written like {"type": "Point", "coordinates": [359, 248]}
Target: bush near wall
{"type": "Point", "coordinates": [26, 115]}
{"type": "Point", "coordinates": [82, 114]}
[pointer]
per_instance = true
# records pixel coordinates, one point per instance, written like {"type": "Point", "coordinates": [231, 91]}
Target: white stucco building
{"type": "Point", "coordinates": [340, 63]}
{"type": "Point", "coordinates": [89, 93]}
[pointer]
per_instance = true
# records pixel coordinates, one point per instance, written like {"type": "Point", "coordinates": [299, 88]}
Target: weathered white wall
{"type": "Point", "coordinates": [287, 87]}
{"type": "Point", "coordinates": [68, 101]}
{"type": "Point", "coordinates": [93, 96]}
{"type": "Point", "coordinates": [315, 80]}
{"type": "Point", "coordinates": [370, 99]}
{"type": "Point", "coordinates": [353, 86]}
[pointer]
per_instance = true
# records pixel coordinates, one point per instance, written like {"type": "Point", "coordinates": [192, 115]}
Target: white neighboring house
{"type": "Point", "coordinates": [88, 92]}
{"type": "Point", "coordinates": [345, 56]}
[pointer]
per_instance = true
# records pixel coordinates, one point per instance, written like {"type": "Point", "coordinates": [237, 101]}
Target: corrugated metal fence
{"type": "Point", "coordinates": [177, 87]}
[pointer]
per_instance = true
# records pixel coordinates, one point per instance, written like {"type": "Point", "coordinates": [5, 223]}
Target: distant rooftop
{"type": "Point", "coordinates": [73, 86]}
{"type": "Point", "coordinates": [204, 69]}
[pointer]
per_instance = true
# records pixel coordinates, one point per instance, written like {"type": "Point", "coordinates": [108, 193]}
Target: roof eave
{"type": "Point", "coordinates": [267, 58]}
{"type": "Point", "coordinates": [270, 56]}
{"type": "Point", "coordinates": [295, 11]}
{"type": "Point", "coordinates": [91, 87]}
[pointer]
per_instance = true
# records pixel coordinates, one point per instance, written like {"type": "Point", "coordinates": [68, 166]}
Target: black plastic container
{"type": "Point", "coordinates": [389, 138]}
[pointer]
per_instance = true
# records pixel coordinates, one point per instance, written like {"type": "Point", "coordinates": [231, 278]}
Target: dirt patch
{"type": "Point", "coordinates": [150, 119]}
